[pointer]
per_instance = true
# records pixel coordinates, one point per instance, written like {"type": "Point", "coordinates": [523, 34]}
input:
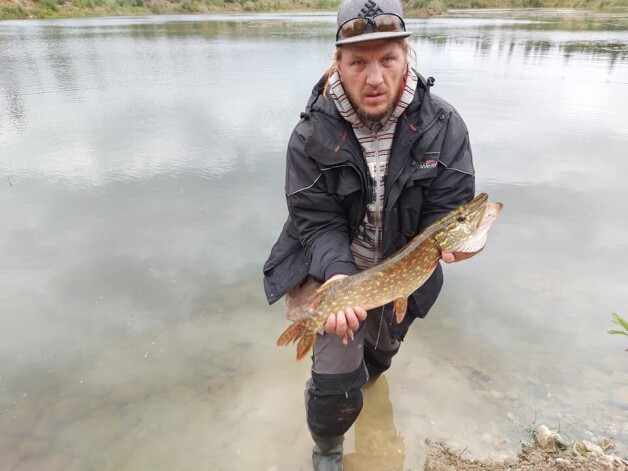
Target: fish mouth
{"type": "Point", "coordinates": [482, 216]}
{"type": "Point", "coordinates": [491, 211]}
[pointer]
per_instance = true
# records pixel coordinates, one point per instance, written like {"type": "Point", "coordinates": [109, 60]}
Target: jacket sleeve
{"type": "Point", "coordinates": [454, 184]}
{"type": "Point", "coordinates": [319, 218]}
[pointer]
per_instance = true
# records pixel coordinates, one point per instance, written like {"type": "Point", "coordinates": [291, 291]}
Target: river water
{"type": "Point", "coordinates": [141, 188]}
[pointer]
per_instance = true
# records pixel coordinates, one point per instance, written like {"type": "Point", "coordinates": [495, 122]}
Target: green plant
{"type": "Point", "coordinates": [622, 323]}
{"type": "Point", "coordinates": [13, 12]}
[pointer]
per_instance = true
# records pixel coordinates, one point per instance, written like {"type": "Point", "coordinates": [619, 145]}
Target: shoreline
{"type": "Point", "coordinates": [549, 451]}
{"type": "Point", "coordinates": [56, 9]}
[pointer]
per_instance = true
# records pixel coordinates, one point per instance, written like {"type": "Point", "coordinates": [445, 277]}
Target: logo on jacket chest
{"type": "Point", "coordinates": [428, 163]}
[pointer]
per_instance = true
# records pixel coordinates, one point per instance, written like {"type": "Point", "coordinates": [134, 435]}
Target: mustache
{"type": "Point", "coordinates": [379, 90]}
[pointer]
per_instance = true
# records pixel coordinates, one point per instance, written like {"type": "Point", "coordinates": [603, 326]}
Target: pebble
{"type": "Point", "coordinates": [563, 462]}
{"type": "Point", "coordinates": [544, 437]}
{"type": "Point", "coordinates": [588, 447]}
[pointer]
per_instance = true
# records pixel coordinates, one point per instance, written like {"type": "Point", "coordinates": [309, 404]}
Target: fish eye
{"type": "Point", "coordinates": [461, 219]}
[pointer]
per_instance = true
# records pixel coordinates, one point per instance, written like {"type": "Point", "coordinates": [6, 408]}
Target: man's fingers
{"type": "Point", "coordinates": [352, 319]}
{"type": "Point", "coordinates": [448, 257]}
{"type": "Point", "coordinates": [361, 313]}
{"type": "Point", "coordinates": [349, 319]}
{"type": "Point", "coordinates": [341, 323]}
{"type": "Point", "coordinates": [330, 324]}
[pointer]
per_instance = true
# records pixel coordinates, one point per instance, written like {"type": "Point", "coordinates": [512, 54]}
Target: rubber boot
{"type": "Point", "coordinates": [327, 453]}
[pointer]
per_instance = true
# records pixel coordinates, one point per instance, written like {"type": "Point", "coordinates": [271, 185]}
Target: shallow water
{"type": "Point", "coordinates": [141, 188]}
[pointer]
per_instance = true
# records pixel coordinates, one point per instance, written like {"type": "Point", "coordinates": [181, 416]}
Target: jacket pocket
{"type": "Point", "coordinates": [342, 180]}
{"type": "Point", "coordinates": [287, 264]}
{"type": "Point", "coordinates": [414, 191]}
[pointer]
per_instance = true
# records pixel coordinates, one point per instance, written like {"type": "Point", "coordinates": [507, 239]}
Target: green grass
{"type": "Point", "coordinates": [622, 323]}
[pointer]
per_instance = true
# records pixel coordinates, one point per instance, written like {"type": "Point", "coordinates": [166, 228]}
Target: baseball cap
{"type": "Point", "coordinates": [369, 20]}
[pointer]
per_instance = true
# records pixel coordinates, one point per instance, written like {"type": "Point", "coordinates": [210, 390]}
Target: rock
{"type": "Point", "coordinates": [544, 437]}
{"type": "Point", "coordinates": [584, 447]}
{"type": "Point", "coordinates": [547, 439]}
{"type": "Point", "coordinates": [563, 463]}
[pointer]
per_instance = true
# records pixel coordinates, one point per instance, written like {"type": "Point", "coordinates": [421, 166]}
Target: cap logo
{"type": "Point", "coordinates": [370, 9]}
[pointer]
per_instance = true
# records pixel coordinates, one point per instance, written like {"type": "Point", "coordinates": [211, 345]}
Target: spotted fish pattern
{"type": "Point", "coordinates": [464, 229]}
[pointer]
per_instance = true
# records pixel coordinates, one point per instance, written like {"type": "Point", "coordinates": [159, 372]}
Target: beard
{"type": "Point", "coordinates": [365, 115]}
{"type": "Point", "coordinates": [369, 116]}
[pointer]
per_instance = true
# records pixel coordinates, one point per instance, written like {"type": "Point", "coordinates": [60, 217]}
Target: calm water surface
{"type": "Point", "coordinates": [141, 188]}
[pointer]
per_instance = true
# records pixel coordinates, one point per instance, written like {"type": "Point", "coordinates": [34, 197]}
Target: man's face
{"type": "Point", "coordinates": [371, 74]}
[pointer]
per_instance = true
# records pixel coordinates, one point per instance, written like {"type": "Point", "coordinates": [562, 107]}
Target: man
{"type": "Point", "coordinates": [374, 160]}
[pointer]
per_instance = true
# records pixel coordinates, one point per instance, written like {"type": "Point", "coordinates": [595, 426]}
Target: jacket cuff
{"type": "Point", "coordinates": [340, 268]}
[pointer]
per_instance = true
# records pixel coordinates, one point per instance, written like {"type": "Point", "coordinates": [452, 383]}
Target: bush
{"type": "Point", "coordinates": [14, 12]}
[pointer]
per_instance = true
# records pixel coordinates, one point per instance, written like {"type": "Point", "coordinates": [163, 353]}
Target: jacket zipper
{"type": "Point", "coordinates": [378, 206]}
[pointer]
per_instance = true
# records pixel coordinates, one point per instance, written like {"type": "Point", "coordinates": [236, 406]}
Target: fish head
{"type": "Point", "coordinates": [466, 229]}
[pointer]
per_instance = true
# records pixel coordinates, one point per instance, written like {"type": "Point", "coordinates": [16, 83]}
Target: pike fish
{"type": "Point", "coordinates": [464, 229]}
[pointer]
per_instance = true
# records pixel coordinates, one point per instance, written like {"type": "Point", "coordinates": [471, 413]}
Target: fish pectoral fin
{"type": "Point", "coordinates": [400, 306]}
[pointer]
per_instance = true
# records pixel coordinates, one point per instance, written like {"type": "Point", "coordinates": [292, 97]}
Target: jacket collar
{"type": "Point", "coordinates": [332, 141]}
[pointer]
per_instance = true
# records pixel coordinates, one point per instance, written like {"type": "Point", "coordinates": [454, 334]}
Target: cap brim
{"type": "Point", "coordinates": [362, 38]}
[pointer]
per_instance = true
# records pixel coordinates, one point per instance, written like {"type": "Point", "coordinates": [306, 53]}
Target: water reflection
{"type": "Point", "coordinates": [378, 444]}
{"type": "Point", "coordinates": [141, 165]}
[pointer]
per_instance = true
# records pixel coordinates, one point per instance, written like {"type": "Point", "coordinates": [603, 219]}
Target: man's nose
{"type": "Point", "coordinates": [375, 75]}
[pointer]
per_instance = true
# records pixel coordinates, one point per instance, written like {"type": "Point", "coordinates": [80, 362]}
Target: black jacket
{"type": "Point", "coordinates": [430, 172]}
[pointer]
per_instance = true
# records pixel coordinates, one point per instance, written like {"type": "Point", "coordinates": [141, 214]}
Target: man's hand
{"type": "Point", "coordinates": [451, 257]}
{"type": "Point", "coordinates": [342, 321]}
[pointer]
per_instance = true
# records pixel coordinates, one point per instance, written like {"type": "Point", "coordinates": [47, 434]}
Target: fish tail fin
{"type": "Point", "coordinates": [305, 344]}
{"type": "Point", "coordinates": [292, 333]}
